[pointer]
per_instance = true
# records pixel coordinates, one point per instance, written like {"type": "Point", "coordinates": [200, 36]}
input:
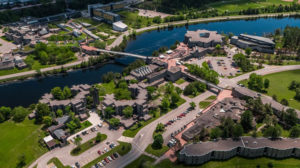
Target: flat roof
{"type": "Point", "coordinates": [260, 38]}
{"type": "Point", "coordinates": [203, 148]}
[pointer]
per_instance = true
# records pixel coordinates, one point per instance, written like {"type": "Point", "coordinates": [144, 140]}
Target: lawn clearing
{"type": "Point", "coordinates": [140, 161]}
{"type": "Point", "coordinates": [17, 139]}
{"type": "Point", "coordinates": [57, 163]}
{"type": "Point", "coordinates": [156, 152]}
{"type": "Point", "coordinates": [279, 83]}
{"type": "Point", "coordinates": [237, 162]}
{"type": "Point", "coordinates": [180, 81]}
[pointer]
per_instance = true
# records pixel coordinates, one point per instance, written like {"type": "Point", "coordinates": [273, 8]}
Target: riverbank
{"type": "Point", "coordinates": [119, 39]}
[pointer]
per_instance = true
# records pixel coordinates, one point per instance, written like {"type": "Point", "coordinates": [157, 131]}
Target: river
{"type": "Point", "coordinates": [27, 92]}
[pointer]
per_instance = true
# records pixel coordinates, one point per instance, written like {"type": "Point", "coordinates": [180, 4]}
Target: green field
{"type": "Point", "coordinates": [155, 152]}
{"type": "Point", "coordinates": [279, 83]}
{"type": "Point", "coordinates": [180, 81]}
{"type": "Point", "coordinates": [17, 139]}
{"type": "Point", "coordinates": [57, 163]}
{"type": "Point", "coordinates": [237, 5]}
{"type": "Point", "coordinates": [238, 162]}
{"type": "Point", "coordinates": [140, 161]}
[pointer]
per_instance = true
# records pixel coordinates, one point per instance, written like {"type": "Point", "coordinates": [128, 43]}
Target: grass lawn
{"type": "Point", "coordinates": [238, 162]}
{"type": "Point", "coordinates": [106, 88]}
{"type": "Point", "coordinates": [122, 149]}
{"type": "Point", "coordinates": [133, 20]}
{"type": "Point", "coordinates": [237, 5]}
{"type": "Point", "coordinates": [180, 81]}
{"type": "Point", "coordinates": [57, 163]}
{"type": "Point", "coordinates": [17, 139]}
{"type": "Point", "coordinates": [204, 104]}
{"type": "Point", "coordinates": [140, 161]}
{"type": "Point", "coordinates": [279, 83]}
{"type": "Point", "coordinates": [84, 125]}
{"type": "Point", "coordinates": [87, 145]}
{"type": "Point", "coordinates": [156, 152]}
{"type": "Point", "coordinates": [131, 132]}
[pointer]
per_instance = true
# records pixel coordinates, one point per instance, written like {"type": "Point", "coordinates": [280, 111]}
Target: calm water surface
{"type": "Point", "coordinates": [28, 92]}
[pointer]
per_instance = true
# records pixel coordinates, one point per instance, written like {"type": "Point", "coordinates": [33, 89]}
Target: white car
{"type": "Point", "coordinates": [105, 149]}
{"type": "Point", "coordinates": [100, 125]}
{"type": "Point", "coordinates": [109, 158]}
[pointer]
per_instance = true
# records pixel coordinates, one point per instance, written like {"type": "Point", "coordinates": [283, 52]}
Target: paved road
{"type": "Point", "coordinates": [63, 154]}
{"type": "Point", "coordinates": [267, 70]}
{"type": "Point", "coordinates": [33, 72]}
{"type": "Point", "coordinates": [144, 136]}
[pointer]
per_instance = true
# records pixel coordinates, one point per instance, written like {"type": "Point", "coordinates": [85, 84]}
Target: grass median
{"type": "Point", "coordinates": [156, 152]}
{"type": "Point", "coordinates": [87, 145]}
{"type": "Point", "coordinates": [57, 163]}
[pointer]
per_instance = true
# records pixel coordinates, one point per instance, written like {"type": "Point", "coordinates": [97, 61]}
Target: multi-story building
{"type": "Point", "coordinates": [258, 43]}
{"type": "Point", "coordinates": [249, 147]}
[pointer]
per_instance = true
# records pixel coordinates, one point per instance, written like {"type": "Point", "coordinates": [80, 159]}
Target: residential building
{"type": "Point", "coordinates": [7, 61]}
{"type": "Point", "coordinates": [50, 142]}
{"type": "Point", "coordinates": [257, 43]}
{"type": "Point", "coordinates": [248, 147]}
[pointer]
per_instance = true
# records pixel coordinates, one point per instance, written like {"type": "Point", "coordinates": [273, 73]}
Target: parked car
{"type": "Point", "coordinates": [99, 152]}
{"type": "Point", "coordinates": [103, 162]}
{"type": "Point", "coordinates": [115, 155]}
{"type": "Point", "coordinates": [112, 156]}
{"type": "Point", "coordinates": [106, 160]}
{"type": "Point", "coordinates": [109, 158]}
{"type": "Point", "coordinates": [100, 125]}
{"type": "Point", "coordinates": [77, 165]}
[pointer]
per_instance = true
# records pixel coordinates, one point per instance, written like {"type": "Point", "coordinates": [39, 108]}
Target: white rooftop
{"type": "Point", "coordinates": [48, 138]}
{"type": "Point", "coordinates": [120, 24]}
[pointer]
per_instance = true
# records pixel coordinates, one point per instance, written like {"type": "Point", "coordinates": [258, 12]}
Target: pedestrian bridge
{"type": "Point", "coordinates": [209, 84]}
{"type": "Point", "coordinates": [124, 54]}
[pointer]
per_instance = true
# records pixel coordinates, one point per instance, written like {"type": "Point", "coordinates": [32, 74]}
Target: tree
{"type": "Point", "coordinates": [246, 120]}
{"type": "Point", "coordinates": [237, 131]}
{"type": "Point", "coordinates": [128, 111]}
{"type": "Point", "coordinates": [255, 82]}
{"type": "Point", "coordinates": [158, 142]}
{"type": "Point", "coordinates": [67, 92]}
{"type": "Point", "coordinates": [273, 132]}
{"type": "Point", "coordinates": [114, 122]}
{"type": "Point", "coordinates": [98, 137]}
{"type": "Point", "coordinates": [165, 104]}
{"type": "Point", "coordinates": [109, 111]}
{"type": "Point", "coordinates": [295, 132]}
{"type": "Point", "coordinates": [248, 51]}
{"type": "Point", "coordinates": [284, 102]}
{"type": "Point", "coordinates": [193, 105]}
{"type": "Point", "coordinates": [215, 133]}
{"type": "Point", "coordinates": [274, 97]}
{"type": "Point", "coordinates": [218, 47]}
{"type": "Point", "coordinates": [297, 96]}
{"type": "Point", "coordinates": [57, 93]}
{"type": "Point", "coordinates": [227, 125]}
{"type": "Point", "coordinates": [290, 117]}
{"type": "Point", "coordinates": [266, 83]}
{"type": "Point", "coordinates": [6, 112]}
{"type": "Point", "coordinates": [160, 127]}
{"type": "Point", "coordinates": [20, 113]}
{"type": "Point", "coordinates": [41, 111]}
{"type": "Point", "coordinates": [21, 161]}
{"type": "Point", "coordinates": [243, 62]}
{"type": "Point", "coordinates": [47, 120]}
{"type": "Point", "coordinates": [174, 99]}
{"type": "Point", "coordinates": [59, 113]}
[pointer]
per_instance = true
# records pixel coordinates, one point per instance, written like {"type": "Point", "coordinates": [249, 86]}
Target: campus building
{"type": "Point", "coordinates": [229, 107]}
{"type": "Point", "coordinates": [257, 43]}
{"type": "Point", "coordinates": [106, 12]}
{"type": "Point", "coordinates": [202, 38]}
{"type": "Point", "coordinates": [202, 42]}
{"type": "Point", "coordinates": [248, 147]}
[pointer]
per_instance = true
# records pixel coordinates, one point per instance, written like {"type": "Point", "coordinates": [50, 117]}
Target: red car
{"type": "Point", "coordinates": [112, 156]}
{"type": "Point", "coordinates": [99, 152]}
{"type": "Point", "coordinates": [106, 160]}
